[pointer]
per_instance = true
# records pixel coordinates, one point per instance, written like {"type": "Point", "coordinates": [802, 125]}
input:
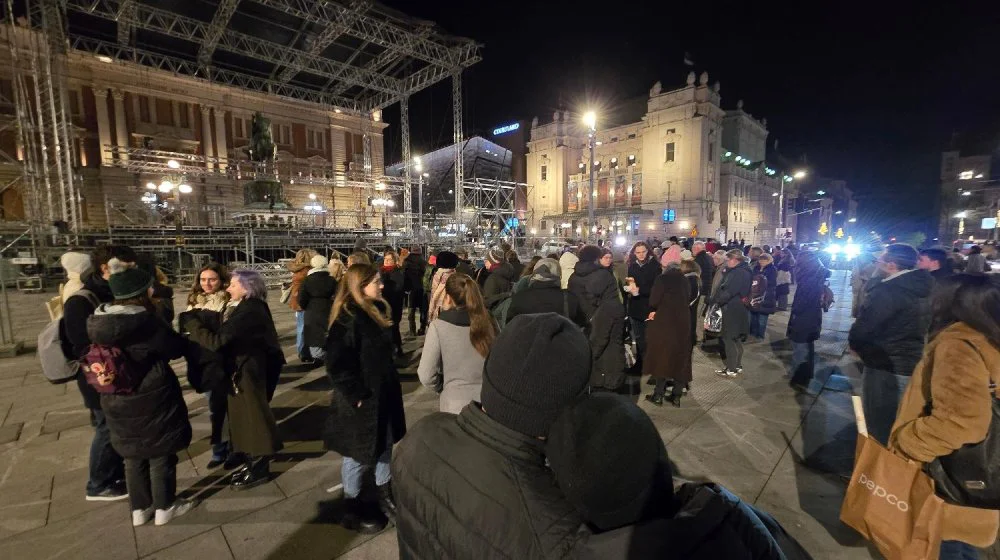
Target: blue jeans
{"type": "Point", "coordinates": [958, 550]}
{"type": "Point", "coordinates": [300, 324]}
{"type": "Point", "coordinates": [352, 473]}
{"type": "Point", "coordinates": [881, 392]}
{"type": "Point", "coordinates": [803, 362]}
{"type": "Point", "coordinates": [106, 465]}
{"type": "Point", "coordinates": [758, 324]}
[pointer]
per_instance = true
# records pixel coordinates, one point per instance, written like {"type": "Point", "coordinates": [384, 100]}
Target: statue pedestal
{"type": "Point", "coordinates": [264, 194]}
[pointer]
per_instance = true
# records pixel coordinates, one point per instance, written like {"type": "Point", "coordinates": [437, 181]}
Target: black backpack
{"type": "Point", "coordinates": [970, 476]}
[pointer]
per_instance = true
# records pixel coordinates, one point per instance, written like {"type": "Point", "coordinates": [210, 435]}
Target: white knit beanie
{"type": "Point", "coordinates": [75, 263]}
{"type": "Point", "coordinates": [319, 261]}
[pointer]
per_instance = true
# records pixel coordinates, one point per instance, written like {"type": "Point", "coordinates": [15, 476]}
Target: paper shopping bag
{"type": "Point", "coordinates": [891, 502]}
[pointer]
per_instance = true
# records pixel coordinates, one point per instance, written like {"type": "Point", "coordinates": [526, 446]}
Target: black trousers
{"type": "Point", "coordinates": [218, 403]}
{"type": "Point", "coordinates": [418, 302]}
{"type": "Point", "coordinates": [661, 387]}
{"type": "Point", "coordinates": [733, 352]}
{"type": "Point", "coordinates": [151, 482]}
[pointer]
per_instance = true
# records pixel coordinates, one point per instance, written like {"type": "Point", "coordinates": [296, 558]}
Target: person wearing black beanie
{"type": "Point", "coordinates": [466, 475]}
{"type": "Point", "coordinates": [623, 489]}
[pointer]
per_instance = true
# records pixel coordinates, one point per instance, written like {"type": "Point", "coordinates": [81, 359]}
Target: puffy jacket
{"type": "Point", "coordinates": [498, 284]}
{"type": "Point", "coordinates": [710, 523]}
{"type": "Point", "coordinates": [736, 284]}
{"type": "Point", "coordinates": [893, 321]}
{"type": "Point", "coordinates": [153, 420]}
{"type": "Point", "coordinates": [467, 487]}
{"type": "Point", "coordinates": [316, 299]}
{"type": "Point", "coordinates": [593, 284]}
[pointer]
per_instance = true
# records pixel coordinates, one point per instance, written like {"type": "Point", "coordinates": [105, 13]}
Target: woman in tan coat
{"type": "Point", "coordinates": [955, 375]}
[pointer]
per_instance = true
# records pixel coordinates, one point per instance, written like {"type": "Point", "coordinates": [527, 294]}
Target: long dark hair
{"type": "Point", "coordinates": [464, 291]}
{"type": "Point", "coordinates": [631, 254]}
{"type": "Point", "coordinates": [973, 299]}
{"type": "Point", "coordinates": [220, 271]}
{"type": "Point", "coordinates": [351, 293]}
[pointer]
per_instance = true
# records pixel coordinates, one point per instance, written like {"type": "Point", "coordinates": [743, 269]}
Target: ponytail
{"type": "Point", "coordinates": [464, 291]}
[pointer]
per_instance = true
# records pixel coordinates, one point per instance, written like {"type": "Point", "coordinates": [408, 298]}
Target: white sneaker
{"type": "Point", "coordinates": [142, 516]}
{"type": "Point", "coordinates": [180, 507]}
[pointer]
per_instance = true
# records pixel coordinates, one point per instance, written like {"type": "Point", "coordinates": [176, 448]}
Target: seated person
{"type": "Point", "coordinates": [623, 489]}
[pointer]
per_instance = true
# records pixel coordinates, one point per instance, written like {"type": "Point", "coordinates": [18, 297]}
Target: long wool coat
{"type": "Point", "coordinates": [668, 335]}
{"type": "Point", "coordinates": [359, 363]}
{"type": "Point", "coordinates": [947, 405]}
{"type": "Point", "coordinates": [253, 359]}
{"type": "Point", "coordinates": [735, 286]}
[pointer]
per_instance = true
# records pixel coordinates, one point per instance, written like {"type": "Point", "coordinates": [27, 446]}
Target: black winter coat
{"type": "Point", "coordinates": [76, 311]}
{"type": "Point", "coordinates": [707, 265]}
{"type": "Point", "coordinates": [248, 344]}
{"type": "Point", "coordinates": [465, 267]}
{"type": "Point", "coordinates": [893, 321]}
{"type": "Point", "coordinates": [735, 286]}
{"type": "Point", "coordinates": [607, 329]}
{"type": "Point", "coordinates": [316, 298]}
{"type": "Point", "coordinates": [467, 487]}
{"type": "Point", "coordinates": [668, 335]}
{"type": "Point", "coordinates": [359, 363]}
{"type": "Point", "coordinates": [414, 267]}
{"type": "Point", "coordinates": [164, 297]}
{"type": "Point", "coordinates": [770, 303]}
{"type": "Point", "coordinates": [593, 285]}
{"type": "Point", "coordinates": [393, 292]}
{"type": "Point", "coordinates": [153, 420]}
{"type": "Point", "coordinates": [499, 284]}
{"type": "Point", "coordinates": [644, 274]}
{"type": "Point", "coordinates": [710, 523]}
{"type": "Point", "coordinates": [546, 297]}
{"type": "Point", "coordinates": [784, 264]}
{"type": "Point", "coordinates": [806, 320]}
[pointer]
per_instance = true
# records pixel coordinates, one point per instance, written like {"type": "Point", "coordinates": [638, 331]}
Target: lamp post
{"type": "Point", "coordinates": [418, 166]}
{"type": "Point", "coordinates": [590, 119]}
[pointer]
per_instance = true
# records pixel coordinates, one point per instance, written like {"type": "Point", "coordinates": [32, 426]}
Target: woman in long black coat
{"type": "Point", "coordinates": [366, 411]}
{"type": "Point", "coordinates": [643, 270]}
{"type": "Point", "coordinates": [316, 299]}
{"type": "Point", "coordinates": [806, 320]}
{"type": "Point", "coordinates": [393, 282]}
{"type": "Point", "coordinates": [149, 425]}
{"type": "Point", "coordinates": [668, 337]}
{"type": "Point", "coordinates": [252, 358]}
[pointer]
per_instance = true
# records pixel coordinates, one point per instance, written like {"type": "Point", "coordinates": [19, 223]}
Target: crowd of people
{"type": "Point", "coordinates": [522, 441]}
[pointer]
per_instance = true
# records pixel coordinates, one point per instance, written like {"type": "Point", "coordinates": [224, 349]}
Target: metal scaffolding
{"type": "Point", "coordinates": [492, 208]}
{"type": "Point", "coordinates": [456, 95]}
{"type": "Point", "coordinates": [404, 129]}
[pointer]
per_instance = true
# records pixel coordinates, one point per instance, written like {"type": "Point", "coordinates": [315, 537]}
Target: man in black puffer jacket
{"type": "Point", "coordinates": [592, 283]}
{"type": "Point", "coordinates": [889, 334]}
{"type": "Point", "coordinates": [106, 469]}
{"type": "Point", "coordinates": [476, 485]}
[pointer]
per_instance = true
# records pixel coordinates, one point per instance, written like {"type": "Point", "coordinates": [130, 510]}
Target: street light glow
{"type": "Point", "coordinates": [590, 119]}
{"type": "Point", "coordinates": [312, 196]}
{"type": "Point", "coordinates": [173, 164]}
{"type": "Point", "coordinates": [821, 193]}
{"type": "Point", "coordinates": [185, 189]}
{"type": "Point", "coordinates": [853, 220]}
{"type": "Point", "coordinates": [966, 193]}
{"type": "Point", "coordinates": [800, 174]}
{"type": "Point", "coordinates": [962, 215]}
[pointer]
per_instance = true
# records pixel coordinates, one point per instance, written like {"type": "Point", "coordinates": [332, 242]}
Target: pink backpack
{"type": "Point", "coordinates": [108, 370]}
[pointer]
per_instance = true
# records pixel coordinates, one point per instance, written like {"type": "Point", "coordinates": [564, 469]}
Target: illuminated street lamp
{"type": "Point", "coordinates": [418, 165]}
{"type": "Point", "coordinates": [853, 220]}
{"type": "Point", "coordinates": [800, 174]}
{"type": "Point", "coordinates": [590, 119]}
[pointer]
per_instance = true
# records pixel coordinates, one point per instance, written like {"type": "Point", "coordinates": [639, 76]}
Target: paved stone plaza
{"type": "Point", "coordinates": [779, 450]}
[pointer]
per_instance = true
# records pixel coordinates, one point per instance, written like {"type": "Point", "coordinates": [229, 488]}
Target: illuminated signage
{"type": "Point", "coordinates": [669, 215]}
{"type": "Point", "coordinates": [506, 128]}
{"type": "Point", "coordinates": [989, 223]}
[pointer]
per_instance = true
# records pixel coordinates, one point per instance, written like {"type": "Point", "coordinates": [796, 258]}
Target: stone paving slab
{"type": "Point", "coordinates": [753, 434]}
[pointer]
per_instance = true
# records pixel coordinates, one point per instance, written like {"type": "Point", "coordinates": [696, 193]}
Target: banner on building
{"type": "Point", "coordinates": [621, 191]}
{"type": "Point", "coordinates": [637, 189]}
{"type": "Point", "coordinates": [572, 202]}
{"type": "Point", "coordinates": [602, 193]}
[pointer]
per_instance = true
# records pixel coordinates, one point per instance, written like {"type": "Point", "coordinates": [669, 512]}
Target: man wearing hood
{"type": "Point", "coordinates": [889, 333]}
{"type": "Point", "coordinates": [107, 471]}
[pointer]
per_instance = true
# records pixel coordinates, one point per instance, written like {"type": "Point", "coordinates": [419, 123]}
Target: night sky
{"type": "Point", "coordinates": [863, 93]}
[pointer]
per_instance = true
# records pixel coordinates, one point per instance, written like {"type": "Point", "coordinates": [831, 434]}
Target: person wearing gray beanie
{"type": "Point", "coordinates": [456, 476]}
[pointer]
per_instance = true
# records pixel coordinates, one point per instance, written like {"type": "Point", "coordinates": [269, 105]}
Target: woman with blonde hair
{"type": "Point", "coordinates": [366, 411]}
{"type": "Point", "coordinates": [300, 269]}
{"type": "Point", "coordinates": [457, 344]}
{"type": "Point", "coordinates": [337, 269]}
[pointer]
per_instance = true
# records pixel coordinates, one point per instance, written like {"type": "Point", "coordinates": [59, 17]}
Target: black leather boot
{"type": "Point", "coordinates": [386, 502]}
{"type": "Point", "coordinates": [655, 399]}
{"type": "Point", "coordinates": [257, 472]}
{"type": "Point", "coordinates": [362, 517]}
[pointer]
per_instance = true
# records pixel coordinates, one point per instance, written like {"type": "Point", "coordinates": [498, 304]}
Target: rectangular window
{"type": "Point", "coordinates": [631, 136]}
{"type": "Point", "coordinates": [711, 152]}
{"type": "Point", "coordinates": [670, 152]}
{"type": "Point", "coordinates": [164, 112]}
{"type": "Point", "coordinates": [238, 128]}
{"type": "Point", "coordinates": [545, 172]}
{"type": "Point", "coordinates": [314, 139]}
{"type": "Point", "coordinates": [144, 108]}
{"type": "Point", "coordinates": [184, 115]}
{"type": "Point", "coordinates": [671, 131]}
{"type": "Point", "coordinates": [74, 103]}
{"type": "Point", "coordinates": [545, 225]}
{"type": "Point", "coordinates": [282, 134]}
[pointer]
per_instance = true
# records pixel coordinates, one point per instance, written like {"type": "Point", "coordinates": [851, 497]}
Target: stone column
{"type": "Point", "coordinates": [121, 127]}
{"type": "Point", "coordinates": [206, 136]}
{"type": "Point", "coordinates": [103, 123]}
{"type": "Point", "coordinates": [220, 137]}
{"type": "Point", "coordinates": [175, 106]}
